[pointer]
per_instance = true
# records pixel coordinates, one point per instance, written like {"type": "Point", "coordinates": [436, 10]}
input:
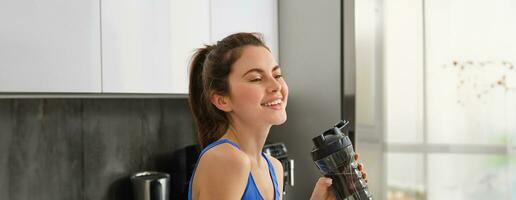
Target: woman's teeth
{"type": "Point", "coordinates": [272, 103]}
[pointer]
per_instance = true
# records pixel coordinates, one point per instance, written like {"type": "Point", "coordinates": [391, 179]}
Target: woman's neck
{"type": "Point", "coordinates": [250, 138]}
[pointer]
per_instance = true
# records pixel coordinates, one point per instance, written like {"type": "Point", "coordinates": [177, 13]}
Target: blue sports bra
{"type": "Point", "coordinates": [251, 190]}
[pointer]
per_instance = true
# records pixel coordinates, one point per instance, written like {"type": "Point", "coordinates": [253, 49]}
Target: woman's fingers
{"type": "Point", "coordinates": [360, 167]}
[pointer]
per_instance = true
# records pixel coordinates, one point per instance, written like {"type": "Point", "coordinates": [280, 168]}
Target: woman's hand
{"type": "Point", "coordinates": [322, 190]}
{"type": "Point", "coordinates": [361, 167]}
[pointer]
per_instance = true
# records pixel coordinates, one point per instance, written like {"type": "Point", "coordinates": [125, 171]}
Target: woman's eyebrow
{"type": "Point", "coordinates": [260, 70]}
{"type": "Point", "coordinates": [275, 68]}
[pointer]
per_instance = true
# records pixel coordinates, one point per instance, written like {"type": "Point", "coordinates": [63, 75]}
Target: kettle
{"type": "Point", "coordinates": [150, 185]}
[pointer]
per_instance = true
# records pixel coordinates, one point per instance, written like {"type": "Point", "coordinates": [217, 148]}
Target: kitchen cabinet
{"type": "Point", "coordinates": [117, 46]}
{"type": "Point", "coordinates": [146, 45]}
{"type": "Point", "coordinates": [50, 46]}
{"type": "Point", "coordinates": [230, 16]}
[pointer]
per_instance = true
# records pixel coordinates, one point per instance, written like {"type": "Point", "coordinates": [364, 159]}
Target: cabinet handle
{"type": "Point", "coordinates": [291, 170]}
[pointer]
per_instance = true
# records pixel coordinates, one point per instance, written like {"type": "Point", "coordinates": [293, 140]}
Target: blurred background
{"type": "Point", "coordinates": [436, 98]}
{"type": "Point", "coordinates": [429, 86]}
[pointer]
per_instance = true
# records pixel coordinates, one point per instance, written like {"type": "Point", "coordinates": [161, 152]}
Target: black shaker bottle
{"type": "Point", "coordinates": [333, 154]}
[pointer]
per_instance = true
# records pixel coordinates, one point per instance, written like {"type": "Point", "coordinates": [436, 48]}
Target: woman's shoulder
{"type": "Point", "coordinates": [275, 162]}
{"type": "Point", "coordinates": [278, 170]}
{"type": "Point", "coordinates": [225, 155]}
{"type": "Point", "coordinates": [223, 172]}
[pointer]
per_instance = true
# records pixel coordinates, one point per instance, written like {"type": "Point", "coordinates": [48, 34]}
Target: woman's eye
{"type": "Point", "coordinates": [278, 76]}
{"type": "Point", "coordinates": [256, 80]}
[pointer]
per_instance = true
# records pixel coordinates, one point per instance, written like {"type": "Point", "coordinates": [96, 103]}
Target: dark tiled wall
{"type": "Point", "coordinates": [52, 149]}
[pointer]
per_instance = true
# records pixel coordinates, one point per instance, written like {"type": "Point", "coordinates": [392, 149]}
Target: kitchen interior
{"type": "Point", "coordinates": [92, 92]}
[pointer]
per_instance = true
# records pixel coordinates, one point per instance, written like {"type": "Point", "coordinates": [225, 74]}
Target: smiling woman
{"type": "Point", "coordinates": [237, 93]}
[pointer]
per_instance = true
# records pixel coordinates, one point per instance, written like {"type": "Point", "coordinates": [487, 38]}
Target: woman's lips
{"type": "Point", "coordinates": [273, 102]}
{"type": "Point", "coordinates": [275, 105]}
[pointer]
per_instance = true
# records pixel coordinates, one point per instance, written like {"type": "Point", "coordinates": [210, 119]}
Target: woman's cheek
{"type": "Point", "coordinates": [251, 94]}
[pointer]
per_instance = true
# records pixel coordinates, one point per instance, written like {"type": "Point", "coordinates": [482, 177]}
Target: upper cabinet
{"type": "Point", "coordinates": [146, 45]}
{"type": "Point", "coordinates": [50, 46]}
{"type": "Point", "coordinates": [231, 16]}
{"type": "Point", "coordinates": [118, 46]}
{"type": "Point", "coordinates": [190, 31]}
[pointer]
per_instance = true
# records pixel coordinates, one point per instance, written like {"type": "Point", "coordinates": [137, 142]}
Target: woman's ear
{"type": "Point", "coordinates": [221, 102]}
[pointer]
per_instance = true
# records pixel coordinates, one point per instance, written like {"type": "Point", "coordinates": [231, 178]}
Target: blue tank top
{"type": "Point", "coordinates": [251, 191]}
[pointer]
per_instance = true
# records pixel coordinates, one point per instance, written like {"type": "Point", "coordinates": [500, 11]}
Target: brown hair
{"type": "Point", "coordinates": [209, 71]}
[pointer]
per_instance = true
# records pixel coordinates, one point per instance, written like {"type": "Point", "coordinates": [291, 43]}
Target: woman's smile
{"type": "Point", "coordinates": [276, 104]}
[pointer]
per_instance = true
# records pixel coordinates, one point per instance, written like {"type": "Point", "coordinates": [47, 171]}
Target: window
{"type": "Point", "coordinates": [449, 100]}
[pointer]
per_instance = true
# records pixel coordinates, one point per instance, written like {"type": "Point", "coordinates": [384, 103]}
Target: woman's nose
{"type": "Point", "coordinates": [274, 86]}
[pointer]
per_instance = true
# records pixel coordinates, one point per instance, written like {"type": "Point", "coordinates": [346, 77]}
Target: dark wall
{"type": "Point", "coordinates": [87, 148]}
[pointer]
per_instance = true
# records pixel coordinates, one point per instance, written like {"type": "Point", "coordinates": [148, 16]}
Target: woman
{"type": "Point", "coordinates": [237, 93]}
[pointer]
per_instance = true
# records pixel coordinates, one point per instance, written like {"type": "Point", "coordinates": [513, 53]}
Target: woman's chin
{"type": "Point", "coordinates": [279, 120]}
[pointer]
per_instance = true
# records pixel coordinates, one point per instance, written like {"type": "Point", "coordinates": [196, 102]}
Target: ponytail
{"type": "Point", "coordinates": [209, 71]}
{"type": "Point", "coordinates": [210, 126]}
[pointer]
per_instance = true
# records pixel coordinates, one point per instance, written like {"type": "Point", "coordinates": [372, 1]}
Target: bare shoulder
{"type": "Point", "coordinates": [226, 155]}
{"type": "Point", "coordinates": [278, 170]}
{"type": "Point", "coordinates": [276, 163]}
{"type": "Point", "coordinates": [222, 172]}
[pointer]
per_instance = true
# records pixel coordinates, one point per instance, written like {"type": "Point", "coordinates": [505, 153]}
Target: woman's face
{"type": "Point", "coordinates": [258, 93]}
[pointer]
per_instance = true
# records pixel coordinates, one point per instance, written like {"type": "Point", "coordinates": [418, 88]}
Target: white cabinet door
{"type": "Point", "coordinates": [190, 25]}
{"type": "Point", "coordinates": [146, 45]}
{"type": "Point", "coordinates": [231, 16]}
{"type": "Point", "coordinates": [50, 46]}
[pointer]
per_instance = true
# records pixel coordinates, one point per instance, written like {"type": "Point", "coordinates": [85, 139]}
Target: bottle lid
{"type": "Point", "coordinates": [330, 141]}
